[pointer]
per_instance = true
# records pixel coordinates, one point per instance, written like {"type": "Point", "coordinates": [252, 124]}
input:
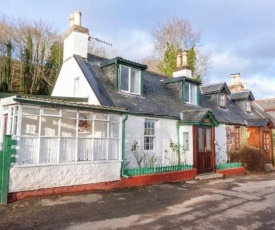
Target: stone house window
{"type": "Point", "coordinates": [149, 135]}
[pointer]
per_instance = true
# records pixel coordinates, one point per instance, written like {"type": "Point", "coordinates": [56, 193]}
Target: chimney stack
{"type": "Point", "coordinates": [235, 83]}
{"type": "Point", "coordinates": [182, 70]}
{"type": "Point", "coordinates": [76, 38]}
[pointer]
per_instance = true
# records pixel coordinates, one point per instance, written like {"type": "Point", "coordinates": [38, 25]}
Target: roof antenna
{"type": "Point", "coordinates": [99, 40]}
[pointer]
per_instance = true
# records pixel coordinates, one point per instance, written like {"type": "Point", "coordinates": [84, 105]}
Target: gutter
{"type": "Point", "coordinates": [123, 146]}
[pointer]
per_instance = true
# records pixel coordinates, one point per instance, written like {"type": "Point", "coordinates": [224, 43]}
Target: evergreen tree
{"type": "Point", "coordinates": [168, 64]}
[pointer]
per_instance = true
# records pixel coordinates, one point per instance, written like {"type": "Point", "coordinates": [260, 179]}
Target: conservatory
{"type": "Point", "coordinates": [52, 133]}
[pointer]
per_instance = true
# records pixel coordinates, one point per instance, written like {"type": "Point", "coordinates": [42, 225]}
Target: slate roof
{"type": "Point", "coordinates": [215, 88]}
{"type": "Point", "coordinates": [243, 95]}
{"type": "Point", "coordinates": [158, 99]}
{"type": "Point", "coordinates": [261, 122]}
{"type": "Point", "coordinates": [267, 104]}
{"type": "Point", "coordinates": [193, 115]}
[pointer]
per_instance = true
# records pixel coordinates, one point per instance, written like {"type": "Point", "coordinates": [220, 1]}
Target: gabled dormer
{"type": "Point", "coordinates": [243, 99]}
{"type": "Point", "coordinates": [221, 90]}
{"type": "Point", "coordinates": [186, 88]}
{"type": "Point", "coordinates": [126, 76]}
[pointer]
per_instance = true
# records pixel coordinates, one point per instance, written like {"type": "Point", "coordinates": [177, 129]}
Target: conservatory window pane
{"type": "Point", "coordinates": [53, 112]}
{"type": "Point", "coordinates": [69, 114]}
{"type": "Point", "coordinates": [48, 149]}
{"type": "Point", "coordinates": [101, 116]}
{"type": "Point", "coordinates": [100, 148]}
{"type": "Point", "coordinates": [114, 117]}
{"type": "Point", "coordinates": [27, 153]}
{"type": "Point", "coordinates": [100, 129]}
{"type": "Point", "coordinates": [114, 130]}
{"type": "Point", "coordinates": [68, 127]}
{"type": "Point", "coordinates": [49, 126]}
{"type": "Point", "coordinates": [113, 150]}
{"type": "Point", "coordinates": [30, 110]}
{"type": "Point", "coordinates": [85, 147]}
{"type": "Point", "coordinates": [67, 149]}
{"type": "Point", "coordinates": [30, 125]}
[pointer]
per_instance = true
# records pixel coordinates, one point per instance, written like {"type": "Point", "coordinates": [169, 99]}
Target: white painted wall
{"type": "Point", "coordinates": [220, 143]}
{"type": "Point", "coordinates": [25, 178]}
{"type": "Point", "coordinates": [75, 43]}
{"type": "Point", "coordinates": [188, 155]}
{"type": "Point", "coordinates": [64, 85]}
{"type": "Point", "coordinates": [165, 130]}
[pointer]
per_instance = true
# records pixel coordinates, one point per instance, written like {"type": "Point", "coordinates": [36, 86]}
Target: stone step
{"type": "Point", "coordinates": [269, 167]}
{"type": "Point", "coordinates": [208, 176]}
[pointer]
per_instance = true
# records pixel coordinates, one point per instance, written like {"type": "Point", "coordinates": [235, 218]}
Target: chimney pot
{"type": "Point", "coordinates": [77, 18]}
{"type": "Point", "coordinates": [184, 59]}
{"type": "Point", "coordinates": [71, 20]}
{"type": "Point", "coordinates": [232, 79]}
{"type": "Point", "coordinates": [179, 60]}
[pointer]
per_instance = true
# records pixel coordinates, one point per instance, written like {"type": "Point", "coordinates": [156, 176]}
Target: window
{"type": "Point", "coordinates": [237, 138]}
{"type": "Point", "coordinates": [248, 106]}
{"type": "Point", "coordinates": [149, 135]}
{"type": "Point", "coordinates": [222, 100]}
{"type": "Point", "coordinates": [266, 142]}
{"type": "Point", "coordinates": [185, 143]}
{"type": "Point", "coordinates": [190, 93]}
{"type": "Point", "coordinates": [130, 79]}
{"type": "Point", "coordinates": [51, 135]}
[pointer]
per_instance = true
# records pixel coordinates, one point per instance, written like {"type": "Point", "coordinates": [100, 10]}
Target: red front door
{"type": "Point", "coordinates": [205, 151]}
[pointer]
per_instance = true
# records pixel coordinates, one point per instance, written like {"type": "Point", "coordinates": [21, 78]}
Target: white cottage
{"type": "Point", "coordinates": [108, 116]}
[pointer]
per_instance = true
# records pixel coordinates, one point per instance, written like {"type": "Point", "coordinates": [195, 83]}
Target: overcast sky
{"type": "Point", "coordinates": [240, 34]}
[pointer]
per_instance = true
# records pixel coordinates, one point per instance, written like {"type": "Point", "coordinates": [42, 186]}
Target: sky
{"type": "Point", "coordinates": [239, 34]}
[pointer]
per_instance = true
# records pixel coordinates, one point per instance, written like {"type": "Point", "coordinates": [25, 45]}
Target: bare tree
{"type": "Point", "coordinates": [179, 34]}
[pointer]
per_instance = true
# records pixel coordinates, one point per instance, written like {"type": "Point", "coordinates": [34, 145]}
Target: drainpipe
{"type": "Point", "coordinates": [178, 140]}
{"type": "Point", "coordinates": [123, 146]}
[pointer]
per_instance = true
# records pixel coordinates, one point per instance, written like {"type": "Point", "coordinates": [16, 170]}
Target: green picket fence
{"type": "Point", "coordinates": [154, 170]}
{"type": "Point", "coordinates": [229, 165]}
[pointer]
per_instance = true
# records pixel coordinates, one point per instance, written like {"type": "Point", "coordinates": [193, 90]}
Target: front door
{"type": "Point", "coordinates": [205, 151]}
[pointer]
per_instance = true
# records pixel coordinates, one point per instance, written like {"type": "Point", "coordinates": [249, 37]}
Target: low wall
{"type": "Point", "coordinates": [232, 171]}
{"type": "Point", "coordinates": [26, 178]}
{"type": "Point", "coordinates": [124, 182]}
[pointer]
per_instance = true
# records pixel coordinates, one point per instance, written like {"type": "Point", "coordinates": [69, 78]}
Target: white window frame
{"type": "Point", "coordinates": [130, 79]}
{"type": "Point", "coordinates": [150, 136]}
{"type": "Point", "coordinates": [190, 93]}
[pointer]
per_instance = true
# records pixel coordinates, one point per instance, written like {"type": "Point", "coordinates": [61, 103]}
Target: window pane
{"type": "Point", "coordinates": [68, 127]}
{"type": "Point", "coordinates": [101, 116]}
{"type": "Point", "coordinates": [53, 112]}
{"type": "Point", "coordinates": [148, 143]}
{"type": "Point", "coordinates": [49, 126]}
{"type": "Point", "coordinates": [114, 117]}
{"type": "Point", "coordinates": [69, 114]}
{"type": "Point", "coordinates": [208, 138]}
{"type": "Point", "coordinates": [193, 94]}
{"type": "Point", "coordinates": [100, 129]}
{"type": "Point", "coordinates": [85, 147]}
{"type": "Point", "coordinates": [27, 153]}
{"type": "Point", "coordinates": [67, 149]}
{"type": "Point", "coordinates": [185, 143]}
{"type": "Point", "coordinates": [124, 78]}
{"type": "Point", "coordinates": [201, 141]}
{"type": "Point", "coordinates": [135, 81]}
{"type": "Point", "coordinates": [100, 147]}
{"type": "Point", "coordinates": [30, 110]}
{"type": "Point", "coordinates": [48, 149]}
{"type": "Point", "coordinates": [113, 149]}
{"type": "Point", "coordinates": [114, 130]}
{"type": "Point", "coordinates": [30, 125]}
{"type": "Point", "coordinates": [186, 92]}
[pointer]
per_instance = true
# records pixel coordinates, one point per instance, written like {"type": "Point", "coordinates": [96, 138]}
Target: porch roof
{"type": "Point", "coordinates": [64, 103]}
{"type": "Point", "coordinates": [261, 122]}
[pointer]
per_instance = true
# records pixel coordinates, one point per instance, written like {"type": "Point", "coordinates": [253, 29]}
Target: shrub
{"type": "Point", "coordinates": [252, 158]}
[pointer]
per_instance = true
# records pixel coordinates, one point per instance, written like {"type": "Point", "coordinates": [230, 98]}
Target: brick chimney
{"type": "Point", "coordinates": [76, 38]}
{"type": "Point", "coordinates": [183, 69]}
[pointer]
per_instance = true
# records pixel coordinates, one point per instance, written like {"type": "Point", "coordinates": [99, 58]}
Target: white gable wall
{"type": "Point", "coordinates": [65, 84]}
{"type": "Point", "coordinates": [220, 143]}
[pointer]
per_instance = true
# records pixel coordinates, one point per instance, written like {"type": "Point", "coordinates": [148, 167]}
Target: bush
{"type": "Point", "coordinates": [252, 158]}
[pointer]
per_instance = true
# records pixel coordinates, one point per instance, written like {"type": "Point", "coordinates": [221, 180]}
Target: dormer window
{"type": "Point", "coordinates": [190, 93]}
{"type": "Point", "coordinates": [222, 100]}
{"type": "Point", "coordinates": [130, 79]}
{"type": "Point", "coordinates": [248, 106]}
